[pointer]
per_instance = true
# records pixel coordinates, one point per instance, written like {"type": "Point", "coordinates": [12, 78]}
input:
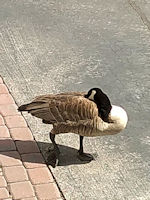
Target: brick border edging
{"type": "Point", "coordinates": [28, 157]}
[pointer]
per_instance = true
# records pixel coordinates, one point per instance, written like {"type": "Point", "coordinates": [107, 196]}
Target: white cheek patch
{"type": "Point", "coordinates": [91, 97]}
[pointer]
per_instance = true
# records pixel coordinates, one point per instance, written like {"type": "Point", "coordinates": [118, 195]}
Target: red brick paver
{"type": "Point", "coordinates": [7, 144]}
{"type": "Point", "coordinates": [5, 131]}
{"type": "Point", "coordinates": [15, 174]}
{"type": "Point", "coordinates": [15, 121]}
{"type": "Point", "coordinates": [1, 121]}
{"type": "Point", "coordinates": [47, 191]}
{"type": "Point", "coordinates": [10, 158]}
{"type": "Point", "coordinates": [30, 198]}
{"type": "Point", "coordinates": [6, 99]}
{"type": "Point", "coordinates": [21, 134]}
{"type": "Point", "coordinates": [27, 147]}
{"type": "Point", "coordinates": [3, 89]}
{"type": "Point", "coordinates": [2, 182]}
{"type": "Point", "coordinates": [23, 172]}
{"type": "Point", "coordinates": [40, 175]}
{"type": "Point", "coordinates": [10, 109]}
{"type": "Point", "coordinates": [22, 190]}
{"type": "Point", "coordinates": [1, 80]}
{"type": "Point", "coordinates": [4, 193]}
{"type": "Point", "coordinates": [33, 160]}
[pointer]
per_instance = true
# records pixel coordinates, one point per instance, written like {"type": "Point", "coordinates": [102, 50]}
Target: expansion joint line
{"type": "Point", "coordinates": [140, 13]}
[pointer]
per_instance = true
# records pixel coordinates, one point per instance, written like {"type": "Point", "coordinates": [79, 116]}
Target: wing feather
{"type": "Point", "coordinates": [62, 107]}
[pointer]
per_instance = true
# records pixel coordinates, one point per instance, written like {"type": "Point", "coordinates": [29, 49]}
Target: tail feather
{"type": "Point", "coordinates": [33, 106]}
{"type": "Point", "coordinates": [23, 107]}
{"type": "Point", "coordinates": [39, 109]}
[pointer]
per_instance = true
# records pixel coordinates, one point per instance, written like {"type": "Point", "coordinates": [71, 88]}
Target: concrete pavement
{"type": "Point", "coordinates": [54, 46]}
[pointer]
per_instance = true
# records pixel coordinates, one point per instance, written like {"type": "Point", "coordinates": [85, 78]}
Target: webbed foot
{"type": "Point", "coordinates": [53, 157]}
{"type": "Point", "coordinates": [85, 157]}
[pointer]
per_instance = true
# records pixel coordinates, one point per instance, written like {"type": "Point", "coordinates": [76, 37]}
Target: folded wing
{"type": "Point", "coordinates": [64, 107]}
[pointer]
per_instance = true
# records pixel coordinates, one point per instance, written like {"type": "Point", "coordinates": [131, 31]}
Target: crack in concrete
{"type": "Point", "coordinates": [140, 13]}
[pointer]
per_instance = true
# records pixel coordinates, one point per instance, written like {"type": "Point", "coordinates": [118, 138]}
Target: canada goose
{"type": "Point", "coordinates": [88, 114]}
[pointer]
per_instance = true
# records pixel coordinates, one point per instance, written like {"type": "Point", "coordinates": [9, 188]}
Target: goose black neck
{"type": "Point", "coordinates": [102, 101]}
{"type": "Point", "coordinates": [103, 104]}
{"type": "Point", "coordinates": [104, 111]}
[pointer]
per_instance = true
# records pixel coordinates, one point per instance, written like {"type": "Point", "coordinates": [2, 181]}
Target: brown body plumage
{"type": "Point", "coordinates": [88, 114]}
{"type": "Point", "coordinates": [69, 112]}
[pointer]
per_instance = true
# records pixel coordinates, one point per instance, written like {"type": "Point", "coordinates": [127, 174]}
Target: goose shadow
{"type": "Point", "coordinates": [29, 152]}
{"type": "Point", "coordinates": [68, 155]}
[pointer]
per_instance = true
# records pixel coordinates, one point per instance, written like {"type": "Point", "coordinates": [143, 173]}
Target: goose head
{"type": "Point", "coordinates": [102, 102]}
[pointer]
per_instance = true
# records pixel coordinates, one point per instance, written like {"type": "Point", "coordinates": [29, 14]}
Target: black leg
{"type": "Point", "coordinates": [81, 145]}
{"type": "Point", "coordinates": [53, 157]}
{"type": "Point", "coordinates": [52, 137]}
{"type": "Point", "coordinates": [83, 156]}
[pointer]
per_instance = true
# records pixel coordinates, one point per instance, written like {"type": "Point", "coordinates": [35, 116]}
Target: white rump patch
{"type": "Point", "coordinates": [91, 97]}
